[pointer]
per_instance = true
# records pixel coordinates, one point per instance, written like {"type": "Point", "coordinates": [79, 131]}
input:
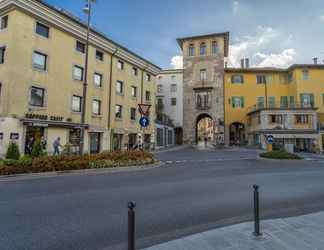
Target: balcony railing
{"type": "Point", "coordinates": [280, 106]}
{"type": "Point", "coordinates": [202, 107]}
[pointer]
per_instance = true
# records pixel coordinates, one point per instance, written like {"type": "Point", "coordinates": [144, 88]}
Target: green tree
{"type": "Point", "coordinates": [37, 150]}
{"type": "Point", "coordinates": [13, 151]}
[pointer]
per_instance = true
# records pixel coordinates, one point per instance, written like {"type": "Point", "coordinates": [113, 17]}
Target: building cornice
{"type": "Point", "coordinates": [70, 24]}
{"type": "Point", "coordinates": [171, 71]}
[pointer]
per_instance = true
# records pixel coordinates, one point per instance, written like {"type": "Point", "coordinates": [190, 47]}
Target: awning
{"type": "Point", "coordinates": [58, 124]}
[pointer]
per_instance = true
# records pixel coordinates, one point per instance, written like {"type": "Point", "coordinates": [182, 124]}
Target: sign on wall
{"type": "Point", "coordinates": [14, 136]}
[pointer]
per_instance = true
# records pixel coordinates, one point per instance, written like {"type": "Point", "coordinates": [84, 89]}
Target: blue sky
{"type": "Point", "coordinates": [270, 33]}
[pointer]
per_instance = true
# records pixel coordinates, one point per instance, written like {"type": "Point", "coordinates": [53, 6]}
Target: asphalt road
{"type": "Point", "coordinates": [194, 191]}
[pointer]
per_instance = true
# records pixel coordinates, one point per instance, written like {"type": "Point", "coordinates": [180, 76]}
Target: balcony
{"type": "Point", "coordinates": [280, 106]}
{"type": "Point", "coordinates": [203, 107]}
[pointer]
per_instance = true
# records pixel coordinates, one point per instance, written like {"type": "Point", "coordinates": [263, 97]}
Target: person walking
{"type": "Point", "coordinates": [57, 145]}
{"type": "Point", "coordinates": [43, 143]}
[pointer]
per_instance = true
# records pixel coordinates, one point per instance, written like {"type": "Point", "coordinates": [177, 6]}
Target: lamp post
{"type": "Point", "coordinates": [87, 10]}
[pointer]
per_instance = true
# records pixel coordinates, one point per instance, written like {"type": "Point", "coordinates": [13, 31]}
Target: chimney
{"type": "Point", "coordinates": [242, 63]}
{"type": "Point", "coordinates": [247, 63]}
{"type": "Point", "coordinates": [315, 59]}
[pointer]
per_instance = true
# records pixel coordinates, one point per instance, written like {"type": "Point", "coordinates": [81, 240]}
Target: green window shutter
{"type": "Point", "coordinates": [283, 101]}
{"type": "Point", "coordinates": [312, 101]}
{"type": "Point", "coordinates": [272, 101]}
{"type": "Point", "coordinates": [242, 101]}
{"type": "Point", "coordinates": [233, 102]}
{"type": "Point", "coordinates": [292, 101]}
{"type": "Point", "coordinates": [302, 100]}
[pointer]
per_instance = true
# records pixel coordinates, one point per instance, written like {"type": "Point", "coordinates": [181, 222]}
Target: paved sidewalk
{"type": "Point", "coordinates": [297, 233]}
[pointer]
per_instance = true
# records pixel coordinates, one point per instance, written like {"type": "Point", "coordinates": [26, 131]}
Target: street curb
{"type": "Point", "coordinates": [4, 178]}
{"type": "Point", "coordinates": [278, 160]}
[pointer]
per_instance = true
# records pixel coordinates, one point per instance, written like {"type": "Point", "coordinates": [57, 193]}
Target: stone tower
{"type": "Point", "coordinates": [203, 83]}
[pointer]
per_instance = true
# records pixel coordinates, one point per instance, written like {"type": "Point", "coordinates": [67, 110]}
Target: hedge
{"type": "Point", "coordinates": [66, 163]}
{"type": "Point", "coordinates": [280, 155]}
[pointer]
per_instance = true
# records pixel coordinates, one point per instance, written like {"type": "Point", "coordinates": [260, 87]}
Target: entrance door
{"type": "Point", "coordinates": [95, 141]}
{"type": "Point", "coordinates": [33, 134]}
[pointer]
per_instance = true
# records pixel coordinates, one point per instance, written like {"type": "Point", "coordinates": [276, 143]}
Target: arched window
{"type": "Point", "coordinates": [214, 48]}
{"type": "Point", "coordinates": [191, 51]}
{"type": "Point", "coordinates": [203, 49]}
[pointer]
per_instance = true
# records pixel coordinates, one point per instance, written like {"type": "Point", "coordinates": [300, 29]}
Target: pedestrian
{"type": "Point", "coordinates": [30, 145]}
{"type": "Point", "coordinates": [206, 140]}
{"type": "Point", "coordinates": [43, 143]}
{"type": "Point", "coordinates": [57, 145]}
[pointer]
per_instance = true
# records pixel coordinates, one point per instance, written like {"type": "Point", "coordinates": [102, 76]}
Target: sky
{"type": "Point", "coordinates": [271, 33]}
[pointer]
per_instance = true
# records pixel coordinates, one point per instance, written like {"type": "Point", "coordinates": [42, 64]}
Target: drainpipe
{"type": "Point", "coordinates": [110, 92]}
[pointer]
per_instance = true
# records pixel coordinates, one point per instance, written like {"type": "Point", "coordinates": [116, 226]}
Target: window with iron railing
{"type": "Point", "coordinates": [203, 100]}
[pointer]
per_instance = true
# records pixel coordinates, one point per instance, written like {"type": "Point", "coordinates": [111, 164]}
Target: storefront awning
{"type": "Point", "coordinates": [58, 124]}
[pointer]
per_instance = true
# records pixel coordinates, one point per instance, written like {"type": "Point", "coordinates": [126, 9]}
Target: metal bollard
{"type": "Point", "coordinates": [131, 225]}
{"type": "Point", "coordinates": [256, 211]}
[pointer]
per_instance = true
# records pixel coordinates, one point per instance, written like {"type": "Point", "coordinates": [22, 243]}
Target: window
{"type": "Point", "coordinates": [78, 73]}
{"type": "Point", "coordinates": [4, 22]}
{"type": "Point", "coordinates": [260, 102]}
{"type": "Point", "coordinates": [37, 97]}
{"type": "Point", "coordinates": [290, 77]}
{"type": "Point", "coordinates": [119, 87]}
{"type": "Point", "coordinates": [173, 88]}
{"type": "Point", "coordinates": [99, 55]}
{"type": "Point", "coordinates": [203, 74]}
{"type": "Point", "coordinates": [261, 79]}
{"type": "Point", "coordinates": [133, 91]}
{"type": "Point", "coordinates": [40, 61]}
{"type": "Point", "coordinates": [237, 79]}
{"type": "Point", "coordinates": [76, 103]}
{"type": "Point", "coordinates": [307, 100]}
{"type": "Point", "coordinates": [237, 102]}
{"type": "Point", "coordinates": [133, 114]}
{"type": "Point", "coordinates": [2, 54]}
{"type": "Point", "coordinates": [203, 49]}
{"type": "Point", "coordinates": [98, 80]}
{"type": "Point", "coordinates": [120, 65]}
{"type": "Point", "coordinates": [291, 101]}
{"type": "Point", "coordinates": [276, 119]}
{"type": "Point", "coordinates": [42, 30]}
{"type": "Point", "coordinates": [203, 100]}
{"type": "Point", "coordinates": [135, 71]}
{"type": "Point", "coordinates": [272, 102]}
{"type": "Point", "coordinates": [173, 78]}
{"type": "Point", "coordinates": [302, 119]}
{"type": "Point", "coordinates": [191, 50]}
{"type": "Point", "coordinates": [160, 88]}
{"type": "Point", "coordinates": [305, 74]}
{"type": "Point", "coordinates": [148, 77]}
{"type": "Point", "coordinates": [284, 102]}
{"type": "Point", "coordinates": [173, 101]}
{"type": "Point", "coordinates": [147, 95]}
{"type": "Point", "coordinates": [118, 111]}
{"type": "Point", "coordinates": [80, 47]}
{"type": "Point", "coordinates": [96, 107]}
{"type": "Point", "coordinates": [214, 48]}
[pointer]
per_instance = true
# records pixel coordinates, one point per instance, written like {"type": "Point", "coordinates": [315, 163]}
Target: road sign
{"type": "Point", "coordinates": [270, 139]}
{"type": "Point", "coordinates": [144, 109]}
{"type": "Point", "coordinates": [144, 121]}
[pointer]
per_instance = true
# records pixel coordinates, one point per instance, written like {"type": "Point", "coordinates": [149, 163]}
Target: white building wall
{"type": "Point", "coordinates": [166, 79]}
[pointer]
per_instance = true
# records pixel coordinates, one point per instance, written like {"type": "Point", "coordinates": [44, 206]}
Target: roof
{"type": "Point", "coordinates": [222, 34]}
{"type": "Point", "coordinates": [78, 21]}
{"type": "Point", "coordinates": [274, 69]}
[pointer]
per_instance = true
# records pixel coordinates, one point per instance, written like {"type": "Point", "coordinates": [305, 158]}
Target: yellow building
{"type": "Point", "coordinates": [286, 103]}
{"type": "Point", "coordinates": [42, 58]}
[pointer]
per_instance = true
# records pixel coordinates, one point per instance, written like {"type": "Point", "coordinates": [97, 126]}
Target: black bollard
{"type": "Point", "coordinates": [256, 211]}
{"type": "Point", "coordinates": [131, 225]}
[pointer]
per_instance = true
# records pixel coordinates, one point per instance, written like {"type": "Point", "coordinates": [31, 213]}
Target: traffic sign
{"type": "Point", "coordinates": [270, 139]}
{"type": "Point", "coordinates": [144, 109]}
{"type": "Point", "coordinates": [144, 122]}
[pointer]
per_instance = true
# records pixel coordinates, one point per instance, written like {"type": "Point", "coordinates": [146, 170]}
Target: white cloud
{"type": "Point", "coordinates": [258, 46]}
{"type": "Point", "coordinates": [281, 60]}
{"type": "Point", "coordinates": [177, 62]}
{"type": "Point", "coordinates": [235, 7]}
{"type": "Point", "coordinates": [322, 18]}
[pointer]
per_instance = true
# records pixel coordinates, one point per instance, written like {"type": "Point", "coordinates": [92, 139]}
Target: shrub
{"type": "Point", "coordinates": [281, 155]}
{"type": "Point", "coordinates": [37, 150]}
{"type": "Point", "coordinates": [13, 151]}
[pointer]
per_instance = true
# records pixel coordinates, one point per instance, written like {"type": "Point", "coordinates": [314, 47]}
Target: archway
{"type": "Point", "coordinates": [237, 133]}
{"type": "Point", "coordinates": [205, 128]}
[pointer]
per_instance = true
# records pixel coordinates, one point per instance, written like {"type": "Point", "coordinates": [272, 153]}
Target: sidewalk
{"type": "Point", "coordinates": [297, 233]}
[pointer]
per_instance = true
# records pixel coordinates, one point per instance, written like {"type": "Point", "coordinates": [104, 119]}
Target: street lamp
{"type": "Point", "coordinates": [87, 10]}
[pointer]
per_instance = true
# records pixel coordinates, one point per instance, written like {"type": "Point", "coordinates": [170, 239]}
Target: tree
{"type": "Point", "coordinates": [13, 151]}
{"type": "Point", "coordinates": [37, 150]}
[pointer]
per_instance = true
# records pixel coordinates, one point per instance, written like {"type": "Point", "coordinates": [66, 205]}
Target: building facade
{"type": "Point", "coordinates": [169, 99]}
{"type": "Point", "coordinates": [203, 83]}
{"type": "Point", "coordinates": [42, 58]}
